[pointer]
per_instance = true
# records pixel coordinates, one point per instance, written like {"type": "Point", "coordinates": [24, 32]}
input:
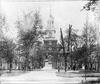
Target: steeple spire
{"type": "Point", "coordinates": [50, 26]}
{"type": "Point", "coordinates": [50, 23]}
{"type": "Point", "coordinates": [50, 12]}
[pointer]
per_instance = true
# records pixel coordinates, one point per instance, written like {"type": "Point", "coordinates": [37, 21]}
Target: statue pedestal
{"type": "Point", "coordinates": [48, 66]}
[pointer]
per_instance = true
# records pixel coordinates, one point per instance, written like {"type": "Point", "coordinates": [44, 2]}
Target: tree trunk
{"type": "Point", "coordinates": [10, 67]}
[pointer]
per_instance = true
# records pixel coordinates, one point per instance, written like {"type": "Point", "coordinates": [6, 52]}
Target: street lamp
{"type": "Point", "coordinates": [58, 63]}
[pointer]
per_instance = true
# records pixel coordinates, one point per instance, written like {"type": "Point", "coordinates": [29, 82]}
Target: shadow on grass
{"type": "Point", "coordinates": [89, 73]}
{"type": "Point", "coordinates": [92, 82]}
{"type": "Point", "coordinates": [13, 73]}
{"type": "Point", "coordinates": [83, 71]}
{"type": "Point", "coordinates": [16, 72]}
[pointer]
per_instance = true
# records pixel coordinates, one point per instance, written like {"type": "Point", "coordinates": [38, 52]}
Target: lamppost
{"type": "Point", "coordinates": [58, 63]}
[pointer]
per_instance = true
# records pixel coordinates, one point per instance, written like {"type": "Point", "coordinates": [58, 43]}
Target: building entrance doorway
{"type": "Point", "coordinates": [50, 59]}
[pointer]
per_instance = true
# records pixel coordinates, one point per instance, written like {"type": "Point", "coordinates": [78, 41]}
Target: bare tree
{"type": "Point", "coordinates": [89, 39]}
{"type": "Point", "coordinates": [32, 35]}
{"type": "Point", "coordinates": [90, 5]}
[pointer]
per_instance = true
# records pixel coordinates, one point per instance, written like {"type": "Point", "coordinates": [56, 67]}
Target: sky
{"type": "Point", "coordinates": [64, 13]}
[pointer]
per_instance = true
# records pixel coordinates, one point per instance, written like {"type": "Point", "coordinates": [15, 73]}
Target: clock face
{"type": "Point", "coordinates": [50, 49]}
{"type": "Point", "coordinates": [50, 34]}
{"type": "Point", "coordinates": [50, 43]}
